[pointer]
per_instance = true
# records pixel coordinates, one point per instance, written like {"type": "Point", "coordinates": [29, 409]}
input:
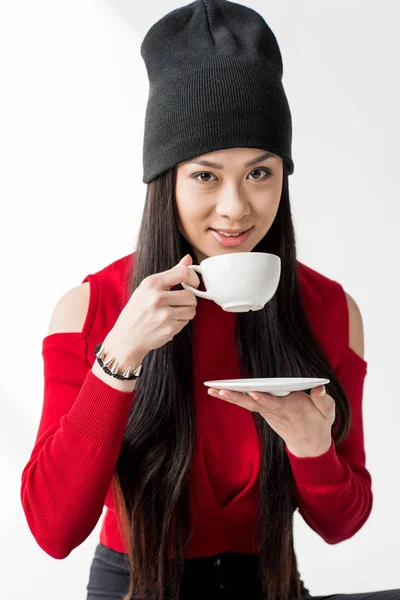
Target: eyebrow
{"type": "Point", "coordinates": [250, 163]}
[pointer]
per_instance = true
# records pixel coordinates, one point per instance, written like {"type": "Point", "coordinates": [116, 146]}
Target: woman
{"type": "Point", "coordinates": [200, 490]}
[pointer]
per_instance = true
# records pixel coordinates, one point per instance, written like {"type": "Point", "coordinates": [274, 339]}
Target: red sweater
{"type": "Point", "coordinates": [67, 480]}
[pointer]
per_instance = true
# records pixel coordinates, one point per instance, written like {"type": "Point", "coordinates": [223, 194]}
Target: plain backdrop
{"type": "Point", "coordinates": [74, 92]}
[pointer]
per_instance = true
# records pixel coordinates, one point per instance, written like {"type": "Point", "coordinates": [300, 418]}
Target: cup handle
{"type": "Point", "coordinates": [194, 290]}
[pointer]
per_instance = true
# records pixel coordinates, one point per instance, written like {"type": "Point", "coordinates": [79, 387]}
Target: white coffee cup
{"type": "Point", "coordinates": [240, 281]}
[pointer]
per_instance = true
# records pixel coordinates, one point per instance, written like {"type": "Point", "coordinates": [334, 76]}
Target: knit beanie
{"type": "Point", "coordinates": [215, 71]}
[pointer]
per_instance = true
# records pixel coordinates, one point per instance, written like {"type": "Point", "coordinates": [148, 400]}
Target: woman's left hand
{"type": "Point", "coordinates": [303, 421]}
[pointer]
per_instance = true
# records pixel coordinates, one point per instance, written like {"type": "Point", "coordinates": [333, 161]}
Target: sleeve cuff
{"type": "Point", "coordinates": [318, 471]}
{"type": "Point", "coordinates": [100, 412]}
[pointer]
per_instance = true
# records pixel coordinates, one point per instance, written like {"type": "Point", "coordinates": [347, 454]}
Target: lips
{"type": "Point", "coordinates": [231, 231]}
{"type": "Point", "coordinates": [231, 241]}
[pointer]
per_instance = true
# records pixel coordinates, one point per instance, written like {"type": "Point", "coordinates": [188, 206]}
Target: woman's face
{"type": "Point", "coordinates": [230, 189]}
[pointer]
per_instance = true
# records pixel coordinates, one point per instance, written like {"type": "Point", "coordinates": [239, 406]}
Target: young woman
{"type": "Point", "coordinates": [200, 487]}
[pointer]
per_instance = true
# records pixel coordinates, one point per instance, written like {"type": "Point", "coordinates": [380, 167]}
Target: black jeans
{"type": "Point", "coordinates": [227, 576]}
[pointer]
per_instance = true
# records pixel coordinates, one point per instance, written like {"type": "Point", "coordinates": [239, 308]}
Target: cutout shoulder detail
{"type": "Point", "coordinates": [74, 313]}
{"type": "Point", "coordinates": [355, 327]}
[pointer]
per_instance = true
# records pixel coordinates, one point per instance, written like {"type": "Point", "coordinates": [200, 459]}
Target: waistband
{"type": "Point", "coordinates": [229, 560]}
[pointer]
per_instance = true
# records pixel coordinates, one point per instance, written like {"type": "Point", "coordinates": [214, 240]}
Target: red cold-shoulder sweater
{"type": "Point", "coordinates": [66, 481]}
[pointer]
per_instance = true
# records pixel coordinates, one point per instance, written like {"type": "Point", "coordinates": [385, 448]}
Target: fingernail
{"type": "Point", "coordinates": [322, 391]}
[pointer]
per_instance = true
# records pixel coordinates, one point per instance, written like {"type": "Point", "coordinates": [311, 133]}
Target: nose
{"type": "Point", "coordinates": [233, 206]}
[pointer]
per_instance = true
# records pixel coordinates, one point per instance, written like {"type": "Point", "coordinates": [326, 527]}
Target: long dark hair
{"type": "Point", "coordinates": [153, 469]}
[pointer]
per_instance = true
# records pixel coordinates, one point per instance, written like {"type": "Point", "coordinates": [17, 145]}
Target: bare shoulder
{"type": "Point", "coordinates": [70, 312]}
{"type": "Point", "coordinates": [356, 330]}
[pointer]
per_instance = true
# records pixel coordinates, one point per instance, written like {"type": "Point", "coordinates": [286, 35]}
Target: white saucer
{"type": "Point", "coordinates": [277, 386]}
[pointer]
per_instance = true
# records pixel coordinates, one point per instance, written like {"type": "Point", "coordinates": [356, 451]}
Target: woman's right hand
{"type": "Point", "coordinates": [154, 314]}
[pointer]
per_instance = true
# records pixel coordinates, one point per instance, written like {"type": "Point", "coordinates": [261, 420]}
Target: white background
{"type": "Point", "coordinates": [74, 91]}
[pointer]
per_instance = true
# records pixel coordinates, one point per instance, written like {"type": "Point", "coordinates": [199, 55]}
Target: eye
{"type": "Point", "coordinates": [196, 175]}
{"type": "Point", "coordinates": [263, 170]}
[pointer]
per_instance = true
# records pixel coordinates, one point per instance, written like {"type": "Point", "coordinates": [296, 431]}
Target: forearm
{"type": "Point", "coordinates": [66, 480]}
{"type": "Point", "coordinates": [333, 499]}
{"type": "Point", "coordinates": [63, 490]}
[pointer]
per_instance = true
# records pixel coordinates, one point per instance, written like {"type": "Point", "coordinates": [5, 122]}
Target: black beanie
{"type": "Point", "coordinates": [215, 71]}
